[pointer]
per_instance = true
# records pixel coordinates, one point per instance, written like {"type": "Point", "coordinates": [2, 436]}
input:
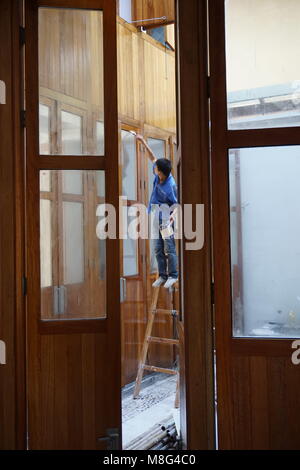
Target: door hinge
{"type": "Point", "coordinates": [112, 439]}
{"type": "Point", "coordinates": [24, 285]}
{"type": "Point", "coordinates": [212, 293]}
{"type": "Point", "coordinates": [23, 118]}
{"type": "Point", "coordinates": [22, 35]}
{"type": "Point", "coordinates": [208, 86]}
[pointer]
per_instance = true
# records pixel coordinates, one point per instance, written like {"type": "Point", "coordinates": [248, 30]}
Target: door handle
{"type": "Point", "coordinates": [62, 300]}
{"type": "Point", "coordinates": [125, 288]}
{"type": "Point", "coordinates": [56, 300]}
{"type": "Point", "coordinates": [123, 292]}
{"type": "Point", "coordinates": [112, 438]}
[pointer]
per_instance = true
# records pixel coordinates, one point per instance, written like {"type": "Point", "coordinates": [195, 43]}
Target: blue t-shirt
{"type": "Point", "coordinates": [165, 193]}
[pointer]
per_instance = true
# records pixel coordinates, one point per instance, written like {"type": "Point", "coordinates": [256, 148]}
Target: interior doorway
{"type": "Point", "coordinates": [146, 106]}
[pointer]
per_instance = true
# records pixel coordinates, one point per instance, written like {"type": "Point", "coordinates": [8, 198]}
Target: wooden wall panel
{"type": "Point", "coordinates": [160, 88]}
{"type": "Point", "coordinates": [68, 371]}
{"type": "Point", "coordinates": [71, 47]}
{"type": "Point", "coordinates": [148, 9]}
{"type": "Point", "coordinates": [129, 75]}
{"type": "Point", "coordinates": [266, 397]}
{"type": "Point", "coordinates": [147, 87]}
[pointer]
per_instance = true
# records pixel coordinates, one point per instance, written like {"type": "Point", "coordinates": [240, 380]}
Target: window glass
{"type": "Point", "coordinates": [73, 258]}
{"type": "Point", "coordinates": [71, 74]}
{"type": "Point", "coordinates": [263, 74]}
{"type": "Point", "coordinates": [265, 253]}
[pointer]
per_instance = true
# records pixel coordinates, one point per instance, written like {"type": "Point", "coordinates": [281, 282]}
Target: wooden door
{"type": "Point", "coordinates": [133, 291]}
{"type": "Point", "coordinates": [160, 355]}
{"type": "Point", "coordinates": [255, 160]}
{"type": "Point", "coordinates": [73, 334]}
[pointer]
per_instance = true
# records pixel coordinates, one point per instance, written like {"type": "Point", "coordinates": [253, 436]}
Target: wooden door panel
{"type": "Point", "coordinates": [73, 363]}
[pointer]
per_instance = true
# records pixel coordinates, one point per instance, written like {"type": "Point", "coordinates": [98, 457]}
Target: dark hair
{"type": "Point", "coordinates": [164, 165]}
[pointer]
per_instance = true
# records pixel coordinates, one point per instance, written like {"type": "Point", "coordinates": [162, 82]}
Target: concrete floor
{"type": "Point", "coordinates": [154, 405]}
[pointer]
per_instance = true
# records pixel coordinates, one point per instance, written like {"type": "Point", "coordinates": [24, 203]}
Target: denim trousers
{"type": "Point", "coordinates": [165, 252]}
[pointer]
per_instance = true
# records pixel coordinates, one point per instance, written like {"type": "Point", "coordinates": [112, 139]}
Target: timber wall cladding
{"type": "Point", "coordinates": [149, 9]}
{"type": "Point", "coordinates": [146, 69]}
{"type": "Point", "coordinates": [146, 79]}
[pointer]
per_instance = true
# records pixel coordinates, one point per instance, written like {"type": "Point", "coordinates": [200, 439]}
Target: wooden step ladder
{"type": "Point", "coordinates": [152, 339]}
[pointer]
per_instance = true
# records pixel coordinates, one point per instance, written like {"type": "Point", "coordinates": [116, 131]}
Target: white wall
{"type": "Point", "coordinates": [125, 10]}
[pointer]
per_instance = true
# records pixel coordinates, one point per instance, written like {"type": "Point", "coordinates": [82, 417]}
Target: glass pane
{"type": "Point", "coordinates": [100, 184]}
{"type": "Point", "coordinates": [129, 166]}
{"type": "Point", "coordinates": [265, 254]}
{"type": "Point", "coordinates": [100, 137]}
{"type": "Point", "coordinates": [46, 243]}
{"type": "Point", "coordinates": [44, 129]}
{"type": "Point", "coordinates": [263, 76]}
{"type": "Point", "coordinates": [73, 239]}
{"type": "Point", "coordinates": [130, 247]}
{"type": "Point", "coordinates": [45, 180]}
{"type": "Point", "coordinates": [71, 134]}
{"type": "Point", "coordinates": [72, 182]}
{"type": "Point", "coordinates": [73, 259]}
{"type": "Point", "coordinates": [71, 74]}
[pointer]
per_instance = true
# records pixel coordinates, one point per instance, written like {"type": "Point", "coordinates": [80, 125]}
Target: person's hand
{"type": "Point", "coordinates": [140, 138]}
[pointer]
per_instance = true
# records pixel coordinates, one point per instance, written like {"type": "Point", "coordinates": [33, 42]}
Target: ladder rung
{"type": "Point", "coordinates": [166, 311]}
{"type": "Point", "coordinates": [153, 339]}
{"type": "Point", "coordinates": [160, 369]}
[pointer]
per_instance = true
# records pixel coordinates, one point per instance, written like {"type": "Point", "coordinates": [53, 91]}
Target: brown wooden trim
{"type": "Point", "coordinates": [262, 347]}
{"type": "Point", "coordinates": [70, 162]}
{"type": "Point", "coordinates": [197, 391]}
{"type": "Point", "coordinates": [89, 4]}
{"type": "Point", "coordinates": [63, 327]}
{"type": "Point", "coordinates": [20, 329]}
{"type": "Point", "coordinates": [261, 137]}
{"type": "Point", "coordinates": [221, 228]}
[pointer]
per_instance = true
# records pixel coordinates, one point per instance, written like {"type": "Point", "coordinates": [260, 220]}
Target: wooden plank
{"type": "Point", "coordinates": [153, 339]}
{"type": "Point", "coordinates": [159, 369]}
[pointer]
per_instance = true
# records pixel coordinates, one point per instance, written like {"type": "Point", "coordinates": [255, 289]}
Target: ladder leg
{"type": "Point", "coordinates": [145, 346]}
{"type": "Point", "coordinates": [176, 405]}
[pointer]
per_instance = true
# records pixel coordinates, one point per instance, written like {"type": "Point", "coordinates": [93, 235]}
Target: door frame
{"type": "Point", "coordinates": [197, 390]}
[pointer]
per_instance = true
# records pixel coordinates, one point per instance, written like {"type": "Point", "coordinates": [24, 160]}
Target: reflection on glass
{"type": "Point", "coordinates": [263, 77]}
{"type": "Point", "coordinates": [130, 246]}
{"type": "Point", "coordinates": [71, 74]}
{"type": "Point", "coordinates": [129, 166]}
{"type": "Point", "coordinates": [265, 254]}
{"type": "Point", "coordinates": [73, 240]}
{"type": "Point", "coordinates": [71, 134]}
{"type": "Point", "coordinates": [72, 182]}
{"type": "Point", "coordinates": [73, 259]}
{"type": "Point", "coordinates": [44, 129]}
{"type": "Point", "coordinates": [100, 137]}
{"type": "Point", "coordinates": [46, 243]}
{"type": "Point", "coordinates": [45, 180]}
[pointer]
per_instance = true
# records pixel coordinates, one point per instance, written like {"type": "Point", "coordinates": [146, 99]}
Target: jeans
{"type": "Point", "coordinates": [165, 252]}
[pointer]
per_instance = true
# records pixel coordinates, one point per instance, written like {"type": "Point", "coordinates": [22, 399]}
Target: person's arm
{"type": "Point", "coordinates": [150, 155]}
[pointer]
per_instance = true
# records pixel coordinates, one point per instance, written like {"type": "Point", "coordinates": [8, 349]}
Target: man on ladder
{"type": "Point", "coordinates": [164, 195]}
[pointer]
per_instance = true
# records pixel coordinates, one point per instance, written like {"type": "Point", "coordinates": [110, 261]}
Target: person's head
{"type": "Point", "coordinates": [163, 168]}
